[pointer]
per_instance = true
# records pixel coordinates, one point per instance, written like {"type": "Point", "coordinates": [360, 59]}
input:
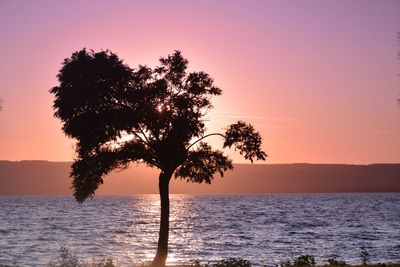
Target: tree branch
{"type": "Point", "coordinates": [141, 139]}
{"type": "Point", "coordinates": [141, 130]}
{"type": "Point", "coordinates": [208, 135]}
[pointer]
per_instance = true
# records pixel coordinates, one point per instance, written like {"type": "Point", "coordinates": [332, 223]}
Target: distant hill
{"type": "Point", "coordinates": [52, 178]}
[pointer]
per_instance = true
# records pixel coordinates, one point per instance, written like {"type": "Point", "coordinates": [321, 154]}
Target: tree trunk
{"type": "Point", "coordinates": [162, 248]}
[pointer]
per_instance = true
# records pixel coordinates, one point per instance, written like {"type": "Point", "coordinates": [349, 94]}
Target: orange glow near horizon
{"type": "Point", "coordinates": [319, 89]}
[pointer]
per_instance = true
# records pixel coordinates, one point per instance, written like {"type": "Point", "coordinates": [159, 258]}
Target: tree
{"type": "Point", "coordinates": [154, 116]}
{"type": "Point", "coordinates": [1, 104]}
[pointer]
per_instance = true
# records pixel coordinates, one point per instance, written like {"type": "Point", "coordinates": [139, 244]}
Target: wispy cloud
{"type": "Point", "coordinates": [275, 122]}
{"type": "Point", "coordinates": [284, 122]}
{"type": "Point", "coordinates": [254, 117]}
{"type": "Point", "coordinates": [284, 119]}
{"type": "Point", "coordinates": [238, 116]}
{"type": "Point", "coordinates": [379, 132]}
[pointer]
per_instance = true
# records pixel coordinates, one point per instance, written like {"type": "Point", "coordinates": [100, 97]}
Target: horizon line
{"type": "Point", "coordinates": [235, 163]}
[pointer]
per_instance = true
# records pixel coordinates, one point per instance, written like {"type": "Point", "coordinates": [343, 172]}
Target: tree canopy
{"type": "Point", "coordinates": [120, 115]}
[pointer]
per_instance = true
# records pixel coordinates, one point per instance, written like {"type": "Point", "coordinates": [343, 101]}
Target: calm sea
{"type": "Point", "coordinates": [265, 229]}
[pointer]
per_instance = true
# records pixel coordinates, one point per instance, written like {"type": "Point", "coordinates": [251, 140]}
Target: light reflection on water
{"type": "Point", "coordinates": [265, 229]}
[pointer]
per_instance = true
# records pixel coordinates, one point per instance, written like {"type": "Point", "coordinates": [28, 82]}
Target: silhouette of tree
{"type": "Point", "coordinates": [1, 104]}
{"type": "Point", "coordinates": [154, 116]}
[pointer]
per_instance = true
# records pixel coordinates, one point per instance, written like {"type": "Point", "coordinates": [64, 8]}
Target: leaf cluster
{"type": "Point", "coordinates": [245, 139]}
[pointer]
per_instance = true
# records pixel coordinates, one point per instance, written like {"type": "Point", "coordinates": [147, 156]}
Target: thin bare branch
{"type": "Point", "coordinates": [202, 138]}
{"type": "Point", "coordinates": [141, 139]}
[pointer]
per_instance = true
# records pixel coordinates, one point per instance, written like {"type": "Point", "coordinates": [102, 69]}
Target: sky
{"type": "Point", "coordinates": [319, 79]}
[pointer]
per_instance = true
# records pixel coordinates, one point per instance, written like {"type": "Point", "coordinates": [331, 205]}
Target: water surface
{"type": "Point", "coordinates": [265, 229]}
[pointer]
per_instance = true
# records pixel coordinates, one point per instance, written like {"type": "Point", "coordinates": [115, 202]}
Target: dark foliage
{"type": "Point", "coordinates": [158, 112]}
{"type": "Point", "coordinates": [305, 260]}
{"type": "Point", "coordinates": [335, 262]}
{"type": "Point", "coordinates": [301, 261]}
{"type": "Point", "coordinates": [202, 163]}
{"type": "Point", "coordinates": [364, 255]}
{"type": "Point", "coordinates": [232, 262]}
{"type": "Point", "coordinates": [246, 140]}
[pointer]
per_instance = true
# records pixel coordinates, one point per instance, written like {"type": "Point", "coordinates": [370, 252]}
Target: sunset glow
{"type": "Point", "coordinates": [318, 79]}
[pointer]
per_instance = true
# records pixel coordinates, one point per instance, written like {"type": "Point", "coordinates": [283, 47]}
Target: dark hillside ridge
{"type": "Point", "coordinates": [52, 178]}
{"type": "Point", "coordinates": [324, 178]}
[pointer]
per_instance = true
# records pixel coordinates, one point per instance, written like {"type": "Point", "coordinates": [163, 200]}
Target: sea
{"type": "Point", "coordinates": [263, 229]}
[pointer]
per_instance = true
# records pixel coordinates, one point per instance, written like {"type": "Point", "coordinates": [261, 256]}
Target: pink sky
{"type": "Point", "coordinates": [318, 79]}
